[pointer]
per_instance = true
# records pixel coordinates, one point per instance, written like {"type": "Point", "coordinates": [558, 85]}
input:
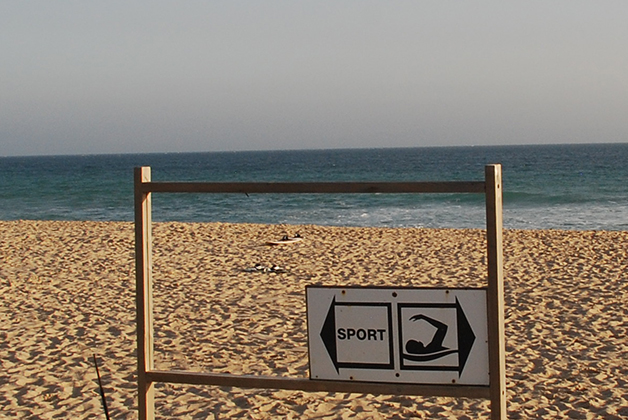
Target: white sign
{"type": "Point", "coordinates": [420, 336]}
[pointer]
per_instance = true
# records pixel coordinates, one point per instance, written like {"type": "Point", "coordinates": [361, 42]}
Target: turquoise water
{"type": "Point", "coordinates": [572, 187]}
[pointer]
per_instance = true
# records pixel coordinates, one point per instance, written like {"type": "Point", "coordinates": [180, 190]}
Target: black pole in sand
{"type": "Point", "coordinates": [102, 390]}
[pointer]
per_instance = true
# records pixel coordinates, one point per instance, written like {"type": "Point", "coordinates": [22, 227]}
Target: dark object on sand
{"type": "Point", "coordinates": [102, 390]}
{"type": "Point", "coordinates": [286, 240]}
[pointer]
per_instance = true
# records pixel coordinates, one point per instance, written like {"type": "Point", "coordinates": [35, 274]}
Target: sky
{"type": "Point", "coordinates": [91, 77]}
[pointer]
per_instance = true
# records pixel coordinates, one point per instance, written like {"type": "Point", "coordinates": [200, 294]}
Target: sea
{"type": "Point", "coordinates": [567, 187]}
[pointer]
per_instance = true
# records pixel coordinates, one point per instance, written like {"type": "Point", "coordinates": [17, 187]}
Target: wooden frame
{"type": "Point", "coordinates": [147, 375]}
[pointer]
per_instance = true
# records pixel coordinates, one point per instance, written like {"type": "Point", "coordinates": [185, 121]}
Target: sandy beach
{"type": "Point", "coordinates": [68, 292]}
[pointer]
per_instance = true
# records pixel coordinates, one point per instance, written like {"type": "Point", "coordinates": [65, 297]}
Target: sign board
{"type": "Point", "coordinates": [418, 335]}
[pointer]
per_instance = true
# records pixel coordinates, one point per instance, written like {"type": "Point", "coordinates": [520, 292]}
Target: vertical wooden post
{"type": "Point", "coordinates": [144, 294]}
{"type": "Point", "coordinates": [495, 293]}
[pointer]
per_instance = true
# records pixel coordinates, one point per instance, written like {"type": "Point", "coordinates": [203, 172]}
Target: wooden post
{"type": "Point", "coordinates": [144, 294]}
{"type": "Point", "coordinates": [495, 293]}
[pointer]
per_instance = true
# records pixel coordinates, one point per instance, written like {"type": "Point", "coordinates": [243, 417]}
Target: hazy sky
{"type": "Point", "coordinates": [170, 76]}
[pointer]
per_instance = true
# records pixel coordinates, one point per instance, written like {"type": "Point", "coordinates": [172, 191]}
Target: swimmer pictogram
{"type": "Point", "coordinates": [425, 343]}
{"type": "Point", "coordinates": [419, 352]}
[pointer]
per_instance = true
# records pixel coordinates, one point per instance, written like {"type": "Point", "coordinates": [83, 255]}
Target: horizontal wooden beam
{"type": "Point", "coordinates": [312, 385]}
{"type": "Point", "coordinates": [313, 187]}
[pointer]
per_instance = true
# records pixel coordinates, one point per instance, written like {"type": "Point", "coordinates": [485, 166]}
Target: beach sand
{"type": "Point", "coordinates": [68, 292]}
